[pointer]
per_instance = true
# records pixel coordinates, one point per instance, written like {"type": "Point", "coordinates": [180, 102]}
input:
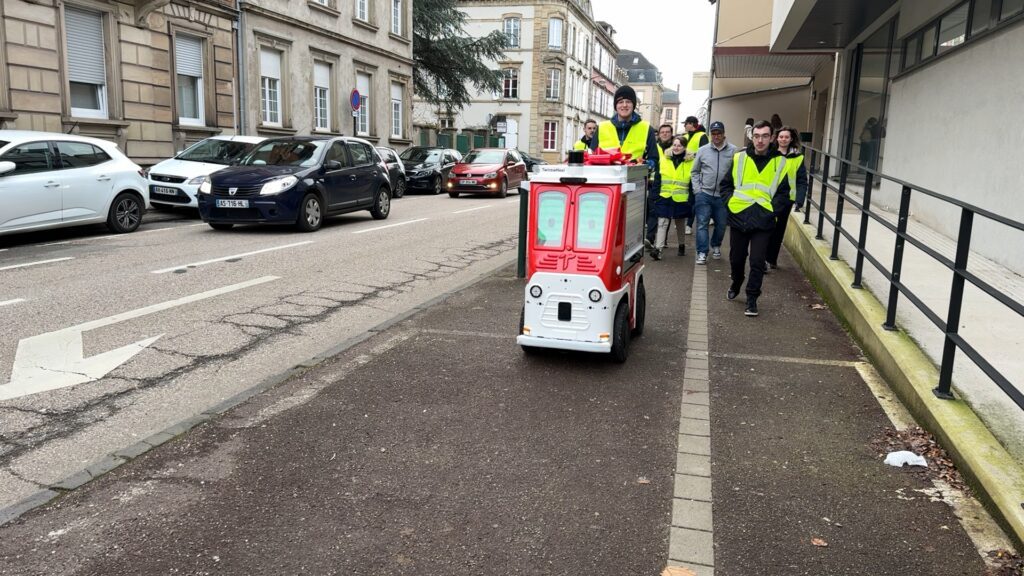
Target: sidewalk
{"type": "Point", "coordinates": [437, 447]}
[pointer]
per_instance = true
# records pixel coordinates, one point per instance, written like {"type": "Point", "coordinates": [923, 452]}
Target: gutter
{"type": "Point", "coordinates": [240, 89]}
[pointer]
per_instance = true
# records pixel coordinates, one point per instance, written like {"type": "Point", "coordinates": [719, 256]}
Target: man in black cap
{"type": "Point", "coordinates": [636, 137]}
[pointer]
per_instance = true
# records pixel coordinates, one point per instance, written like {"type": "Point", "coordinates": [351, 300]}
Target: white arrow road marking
{"type": "Point", "coordinates": [390, 226]}
{"type": "Point", "coordinates": [9, 302]}
{"type": "Point", "coordinates": [55, 360]}
{"type": "Point", "coordinates": [223, 258]}
{"type": "Point", "coordinates": [38, 262]}
{"type": "Point", "coordinates": [472, 209]}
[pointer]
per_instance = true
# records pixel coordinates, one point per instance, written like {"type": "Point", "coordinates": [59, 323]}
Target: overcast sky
{"type": "Point", "coordinates": [675, 35]}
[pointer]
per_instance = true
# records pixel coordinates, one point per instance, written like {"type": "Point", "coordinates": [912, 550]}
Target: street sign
{"type": "Point", "coordinates": [501, 127]}
{"type": "Point", "coordinates": [355, 100]}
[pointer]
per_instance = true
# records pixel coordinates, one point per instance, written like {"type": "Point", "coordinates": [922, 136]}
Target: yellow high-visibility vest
{"type": "Point", "coordinates": [692, 145]}
{"type": "Point", "coordinates": [754, 186]}
{"type": "Point", "coordinates": [673, 182]}
{"type": "Point", "coordinates": [635, 143]}
{"type": "Point", "coordinates": [793, 164]}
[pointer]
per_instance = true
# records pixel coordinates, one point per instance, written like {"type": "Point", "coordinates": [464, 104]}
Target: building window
{"type": "Point", "coordinates": [668, 116]}
{"type": "Point", "coordinates": [87, 73]}
{"type": "Point", "coordinates": [572, 40]}
{"type": "Point", "coordinates": [363, 116]}
{"type": "Point", "coordinates": [321, 96]}
{"type": "Point", "coordinates": [447, 123]}
{"type": "Point", "coordinates": [512, 32]}
{"type": "Point", "coordinates": [953, 28]}
{"type": "Point", "coordinates": [510, 83]}
{"type": "Point", "coordinates": [555, 33]}
{"type": "Point", "coordinates": [188, 66]}
{"type": "Point", "coordinates": [550, 135]}
{"type": "Point", "coordinates": [396, 17]}
{"type": "Point", "coordinates": [1010, 8]}
{"type": "Point", "coordinates": [554, 87]}
{"type": "Point", "coordinates": [950, 30]}
{"type": "Point", "coordinates": [396, 110]}
{"type": "Point", "coordinates": [362, 10]}
{"type": "Point", "coordinates": [270, 86]}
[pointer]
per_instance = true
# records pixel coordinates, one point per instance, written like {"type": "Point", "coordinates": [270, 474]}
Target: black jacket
{"type": "Point", "coordinates": [755, 217]}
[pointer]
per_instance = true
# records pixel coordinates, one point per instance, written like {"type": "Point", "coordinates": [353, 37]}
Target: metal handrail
{"type": "Point", "coordinates": [949, 326]}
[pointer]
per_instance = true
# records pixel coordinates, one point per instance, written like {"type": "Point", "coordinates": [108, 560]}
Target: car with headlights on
{"type": "Point", "coordinates": [297, 180]}
{"type": "Point", "coordinates": [427, 167]}
{"type": "Point", "coordinates": [53, 180]}
{"type": "Point", "coordinates": [487, 171]}
{"type": "Point", "coordinates": [176, 181]}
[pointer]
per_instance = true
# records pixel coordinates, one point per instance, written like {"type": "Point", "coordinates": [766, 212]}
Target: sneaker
{"type": "Point", "coordinates": [648, 244]}
{"type": "Point", "coordinates": [656, 254]}
{"type": "Point", "coordinates": [751, 307]}
{"type": "Point", "coordinates": [682, 250]}
{"type": "Point", "coordinates": [731, 294]}
{"type": "Point", "coordinates": [702, 258]}
{"type": "Point", "coordinates": [772, 266]}
{"type": "Point", "coordinates": [689, 230]}
{"type": "Point", "coordinates": [716, 253]}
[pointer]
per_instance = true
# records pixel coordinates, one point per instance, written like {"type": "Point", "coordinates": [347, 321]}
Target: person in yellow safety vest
{"type": "Point", "coordinates": [787, 142]}
{"type": "Point", "coordinates": [627, 132]}
{"type": "Point", "coordinates": [695, 138]}
{"type": "Point", "coordinates": [758, 175]}
{"type": "Point", "coordinates": [588, 140]}
{"type": "Point", "coordinates": [673, 204]}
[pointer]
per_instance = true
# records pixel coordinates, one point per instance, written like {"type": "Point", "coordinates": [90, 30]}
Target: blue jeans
{"type": "Point", "coordinates": [710, 207]}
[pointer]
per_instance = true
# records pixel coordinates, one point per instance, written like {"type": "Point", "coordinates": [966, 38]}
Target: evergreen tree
{"type": "Point", "coordinates": [446, 60]}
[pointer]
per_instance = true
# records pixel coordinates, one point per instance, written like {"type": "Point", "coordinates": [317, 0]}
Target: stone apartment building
{"type": "Point", "coordinates": [548, 77]}
{"type": "Point", "coordinates": [301, 60]}
{"type": "Point", "coordinates": [150, 75]}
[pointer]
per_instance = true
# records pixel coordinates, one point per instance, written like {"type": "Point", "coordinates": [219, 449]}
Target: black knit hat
{"type": "Point", "coordinates": [625, 92]}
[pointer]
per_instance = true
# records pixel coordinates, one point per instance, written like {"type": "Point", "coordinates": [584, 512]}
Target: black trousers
{"type": "Point", "coordinates": [741, 244]}
{"type": "Point", "coordinates": [775, 244]}
{"type": "Point", "coordinates": [652, 218]}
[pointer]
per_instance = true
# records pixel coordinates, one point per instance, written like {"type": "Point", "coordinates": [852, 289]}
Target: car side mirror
{"type": "Point", "coordinates": [332, 165]}
{"type": "Point", "coordinates": [6, 167]}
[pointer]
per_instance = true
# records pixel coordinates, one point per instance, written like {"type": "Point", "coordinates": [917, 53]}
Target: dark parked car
{"type": "Point", "coordinates": [427, 167]}
{"type": "Point", "coordinates": [487, 171]}
{"type": "Point", "coordinates": [297, 181]}
{"type": "Point", "coordinates": [396, 170]}
{"type": "Point", "coordinates": [531, 161]}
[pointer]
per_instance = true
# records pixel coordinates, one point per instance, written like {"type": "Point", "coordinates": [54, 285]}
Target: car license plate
{"type": "Point", "coordinates": [467, 181]}
{"type": "Point", "coordinates": [227, 203]}
{"type": "Point", "coordinates": [165, 191]}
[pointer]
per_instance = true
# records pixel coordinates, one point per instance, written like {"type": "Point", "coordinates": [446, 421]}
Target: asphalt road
{"type": "Point", "coordinates": [213, 312]}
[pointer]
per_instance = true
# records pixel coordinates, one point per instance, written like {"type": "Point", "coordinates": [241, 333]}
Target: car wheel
{"type": "Point", "coordinates": [399, 188]}
{"type": "Point", "coordinates": [125, 213]}
{"type": "Point", "coordinates": [219, 226]}
{"type": "Point", "coordinates": [503, 191]}
{"type": "Point", "coordinates": [641, 310]}
{"type": "Point", "coordinates": [437, 185]}
{"type": "Point", "coordinates": [310, 214]}
{"type": "Point", "coordinates": [620, 333]}
{"type": "Point", "coordinates": [382, 204]}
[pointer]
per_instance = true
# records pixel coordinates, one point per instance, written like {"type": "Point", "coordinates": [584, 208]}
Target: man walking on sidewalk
{"type": "Point", "coordinates": [758, 174]}
{"type": "Point", "coordinates": [711, 165]}
{"type": "Point", "coordinates": [695, 138]}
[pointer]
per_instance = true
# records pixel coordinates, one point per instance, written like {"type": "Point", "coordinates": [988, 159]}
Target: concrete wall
{"type": "Point", "coordinates": [926, 111]}
{"type": "Point", "coordinates": [742, 22]}
{"type": "Point", "coordinates": [790, 104]}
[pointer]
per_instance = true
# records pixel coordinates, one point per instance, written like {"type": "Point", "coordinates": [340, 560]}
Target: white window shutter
{"type": "Point", "coordinates": [321, 75]}
{"type": "Point", "coordinates": [85, 46]}
{"type": "Point", "coordinates": [188, 56]}
{"type": "Point", "coordinates": [270, 63]}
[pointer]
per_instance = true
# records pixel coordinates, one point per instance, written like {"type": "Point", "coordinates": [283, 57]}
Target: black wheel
{"type": "Point", "coordinates": [381, 204]}
{"type": "Point", "coordinates": [399, 188]}
{"type": "Point", "coordinates": [437, 185]}
{"type": "Point", "coordinates": [310, 214]}
{"type": "Point", "coordinates": [641, 310]}
{"type": "Point", "coordinates": [528, 350]}
{"type": "Point", "coordinates": [125, 213]}
{"type": "Point", "coordinates": [620, 333]}
{"type": "Point", "coordinates": [218, 226]}
{"type": "Point", "coordinates": [503, 191]}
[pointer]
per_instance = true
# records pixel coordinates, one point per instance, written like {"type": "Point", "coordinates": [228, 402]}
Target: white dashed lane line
{"type": "Point", "coordinates": [9, 302]}
{"type": "Point", "coordinates": [472, 209]}
{"type": "Point", "coordinates": [231, 257]}
{"type": "Point", "coordinates": [389, 226]}
{"type": "Point", "coordinates": [36, 263]}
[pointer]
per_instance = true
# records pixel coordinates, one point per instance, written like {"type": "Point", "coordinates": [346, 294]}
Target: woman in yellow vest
{"type": "Point", "coordinates": [630, 134]}
{"type": "Point", "coordinates": [673, 204]}
{"type": "Point", "coordinates": [787, 141]}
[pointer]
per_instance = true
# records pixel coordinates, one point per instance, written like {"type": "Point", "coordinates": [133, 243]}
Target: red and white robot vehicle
{"type": "Point", "coordinates": [585, 256]}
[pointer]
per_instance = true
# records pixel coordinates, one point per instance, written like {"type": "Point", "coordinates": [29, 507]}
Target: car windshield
{"type": "Point", "coordinates": [216, 151]}
{"type": "Point", "coordinates": [286, 153]}
{"type": "Point", "coordinates": [485, 157]}
{"type": "Point", "coordinates": [3, 143]}
{"type": "Point", "coordinates": [422, 156]}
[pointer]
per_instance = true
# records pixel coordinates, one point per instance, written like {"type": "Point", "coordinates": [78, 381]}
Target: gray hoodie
{"type": "Point", "coordinates": [710, 165]}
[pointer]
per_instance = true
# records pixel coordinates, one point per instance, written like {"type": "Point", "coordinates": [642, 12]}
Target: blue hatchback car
{"type": "Point", "coordinates": [297, 180]}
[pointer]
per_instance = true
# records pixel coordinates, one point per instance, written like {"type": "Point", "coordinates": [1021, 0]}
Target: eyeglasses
{"type": "Point", "coordinates": [761, 136]}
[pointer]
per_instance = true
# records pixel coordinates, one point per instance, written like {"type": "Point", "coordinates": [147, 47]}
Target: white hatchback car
{"type": "Point", "coordinates": [175, 182]}
{"type": "Point", "coordinates": [51, 180]}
